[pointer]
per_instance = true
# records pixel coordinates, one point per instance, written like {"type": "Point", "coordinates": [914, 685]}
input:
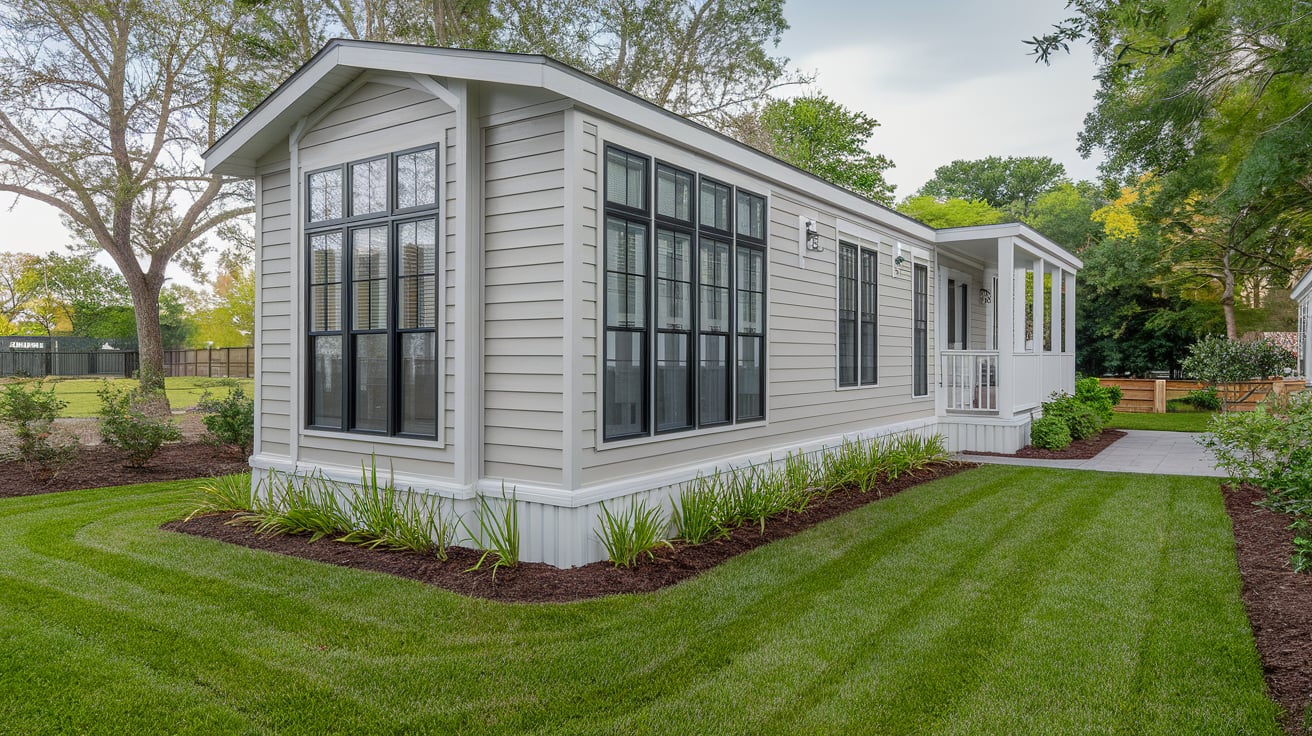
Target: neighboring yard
{"type": "Point", "coordinates": [1000, 600]}
{"type": "Point", "coordinates": [184, 392]}
{"type": "Point", "coordinates": [1184, 421]}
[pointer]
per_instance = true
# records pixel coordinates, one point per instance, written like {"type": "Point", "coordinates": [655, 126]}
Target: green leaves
{"type": "Point", "coordinates": [632, 533]}
{"type": "Point", "coordinates": [827, 139]}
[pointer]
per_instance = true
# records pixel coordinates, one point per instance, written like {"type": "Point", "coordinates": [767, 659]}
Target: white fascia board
{"type": "Point", "coordinates": [1303, 287]}
{"type": "Point", "coordinates": [1048, 249]}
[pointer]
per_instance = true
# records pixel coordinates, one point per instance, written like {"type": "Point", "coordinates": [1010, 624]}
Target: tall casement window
{"type": "Point", "coordinates": [684, 300]}
{"type": "Point", "coordinates": [371, 237]}
{"type": "Point", "coordinates": [858, 300]}
{"type": "Point", "coordinates": [920, 330]}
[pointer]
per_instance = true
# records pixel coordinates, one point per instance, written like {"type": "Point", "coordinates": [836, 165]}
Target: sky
{"type": "Point", "coordinates": [946, 79]}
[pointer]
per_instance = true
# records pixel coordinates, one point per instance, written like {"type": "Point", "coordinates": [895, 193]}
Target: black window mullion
{"type": "Point", "coordinates": [869, 323]}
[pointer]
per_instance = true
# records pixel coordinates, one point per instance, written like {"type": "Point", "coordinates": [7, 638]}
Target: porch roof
{"type": "Point", "coordinates": [1302, 287]}
{"type": "Point", "coordinates": [981, 241]}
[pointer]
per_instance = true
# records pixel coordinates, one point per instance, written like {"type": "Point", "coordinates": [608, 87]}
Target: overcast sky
{"type": "Point", "coordinates": [947, 79]}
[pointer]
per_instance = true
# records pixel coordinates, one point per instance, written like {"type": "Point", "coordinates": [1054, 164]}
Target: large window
{"type": "Point", "coordinates": [920, 331]}
{"type": "Point", "coordinates": [371, 236]}
{"type": "Point", "coordinates": [858, 301]}
{"type": "Point", "coordinates": [684, 300]}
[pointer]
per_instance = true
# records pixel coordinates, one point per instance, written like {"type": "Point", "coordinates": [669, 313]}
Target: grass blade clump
{"type": "Point", "coordinates": [499, 532]}
{"type": "Point", "coordinates": [694, 517]}
{"type": "Point", "coordinates": [630, 534]}
{"type": "Point", "coordinates": [382, 517]}
{"type": "Point", "coordinates": [224, 493]}
{"type": "Point", "coordinates": [294, 505]}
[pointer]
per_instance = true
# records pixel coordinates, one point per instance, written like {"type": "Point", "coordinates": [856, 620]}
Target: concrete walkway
{"type": "Point", "coordinates": [1139, 451]}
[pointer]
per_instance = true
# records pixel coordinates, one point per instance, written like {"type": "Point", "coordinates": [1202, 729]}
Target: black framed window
{"type": "Point", "coordinates": [373, 299]}
{"type": "Point", "coordinates": [858, 315]}
{"type": "Point", "coordinates": [869, 317]}
{"type": "Point", "coordinates": [847, 305]}
{"type": "Point", "coordinates": [920, 330]}
{"type": "Point", "coordinates": [684, 300]}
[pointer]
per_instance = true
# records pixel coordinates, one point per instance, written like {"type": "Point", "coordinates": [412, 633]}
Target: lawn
{"type": "Point", "coordinates": [183, 392]}
{"type": "Point", "coordinates": [1001, 600]}
{"type": "Point", "coordinates": [1184, 421]}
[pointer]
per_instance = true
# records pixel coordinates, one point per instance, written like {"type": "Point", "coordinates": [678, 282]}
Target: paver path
{"type": "Point", "coordinates": [1139, 451]}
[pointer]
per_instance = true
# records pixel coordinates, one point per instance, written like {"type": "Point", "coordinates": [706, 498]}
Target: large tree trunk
{"type": "Point", "coordinates": [150, 339]}
{"type": "Point", "coordinates": [1228, 298]}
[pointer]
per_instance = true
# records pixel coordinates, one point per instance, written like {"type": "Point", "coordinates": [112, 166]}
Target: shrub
{"type": "Point", "coordinates": [1221, 362]}
{"type": "Point", "coordinates": [124, 425]}
{"type": "Point", "coordinates": [1115, 394]}
{"type": "Point", "coordinates": [1090, 392]}
{"type": "Point", "coordinates": [31, 414]}
{"type": "Point", "coordinates": [1050, 433]}
{"type": "Point", "coordinates": [1082, 421]}
{"type": "Point", "coordinates": [1203, 398]}
{"type": "Point", "coordinates": [1301, 560]}
{"type": "Point", "coordinates": [629, 535]}
{"type": "Point", "coordinates": [230, 420]}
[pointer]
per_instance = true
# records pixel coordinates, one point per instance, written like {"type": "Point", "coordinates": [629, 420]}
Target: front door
{"type": "Point", "coordinates": [958, 315]}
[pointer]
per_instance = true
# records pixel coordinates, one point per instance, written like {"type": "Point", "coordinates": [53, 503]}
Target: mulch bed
{"type": "Point", "coordinates": [1084, 449]}
{"type": "Point", "coordinates": [1278, 600]}
{"type": "Point", "coordinates": [541, 583]}
{"type": "Point", "coordinates": [101, 466]}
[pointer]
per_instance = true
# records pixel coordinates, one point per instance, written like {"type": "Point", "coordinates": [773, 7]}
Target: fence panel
{"type": "Point", "coordinates": [1140, 394]}
{"type": "Point", "coordinates": [211, 362]}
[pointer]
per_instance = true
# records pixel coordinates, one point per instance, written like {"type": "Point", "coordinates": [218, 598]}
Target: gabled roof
{"type": "Point", "coordinates": [342, 60]}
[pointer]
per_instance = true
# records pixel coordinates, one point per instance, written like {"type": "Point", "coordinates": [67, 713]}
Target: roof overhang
{"type": "Point", "coordinates": [1302, 288]}
{"type": "Point", "coordinates": [342, 61]}
{"type": "Point", "coordinates": [1030, 237]}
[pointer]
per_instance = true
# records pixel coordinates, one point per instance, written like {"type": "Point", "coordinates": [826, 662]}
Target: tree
{"type": "Point", "coordinates": [1010, 184]}
{"type": "Point", "coordinates": [951, 212]}
{"type": "Point", "coordinates": [17, 285]}
{"type": "Point", "coordinates": [1065, 214]}
{"type": "Point", "coordinates": [104, 108]}
{"type": "Point", "coordinates": [821, 136]}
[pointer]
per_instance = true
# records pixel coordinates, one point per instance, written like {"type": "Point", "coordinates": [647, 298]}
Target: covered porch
{"type": "Point", "coordinates": [1006, 321]}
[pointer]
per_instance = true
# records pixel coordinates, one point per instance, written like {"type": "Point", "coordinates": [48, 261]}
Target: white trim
{"type": "Point", "coordinates": [930, 296]}
{"type": "Point", "coordinates": [296, 371]}
{"type": "Point", "coordinates": [571, 453]}
{"type": "Point", "coordinates": [257, 273]}
{"type": "Point", "coordinates": [373, 439]}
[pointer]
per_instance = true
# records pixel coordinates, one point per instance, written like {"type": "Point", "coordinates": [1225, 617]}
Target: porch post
{"type": "Point", "coordinates": [1070, 325]}
{"type": "Point", "coordinates": [1055, 318]}
{"type": "Point", "coordinates": [1036, 309]}
{"type": "Point", "coordinates": [1006, 346]}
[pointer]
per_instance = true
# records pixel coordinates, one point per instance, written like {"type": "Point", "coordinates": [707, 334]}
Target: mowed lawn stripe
{"type": "Point", "coordinates": [1004, 599]}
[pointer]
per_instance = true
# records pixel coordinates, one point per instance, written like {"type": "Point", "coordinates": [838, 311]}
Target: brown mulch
{"type": "Point", "coordinates": [1084, 449]}
{"type": "Point", "coordinates": [1278, 600]}
{"type": "Point", "coordinates": [531, 582]}
{"type": "Point", "coordinates": [100, 466]}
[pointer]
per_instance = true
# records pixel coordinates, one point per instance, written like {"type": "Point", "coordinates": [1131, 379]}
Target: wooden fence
{"type": "Point", "coordinates": [211, 362]}
{"type": "Point", "coordinates": [1148, 395]}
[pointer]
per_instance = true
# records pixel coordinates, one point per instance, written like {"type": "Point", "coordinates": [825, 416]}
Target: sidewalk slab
{"type": "Point", "coordinates": [1146, 451]}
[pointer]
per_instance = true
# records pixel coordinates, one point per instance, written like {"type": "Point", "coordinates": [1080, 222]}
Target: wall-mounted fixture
{"type": "Point", "coordinates": [899, 258]}
{"type": "Point", "coordinates": [985, 296]}
{"type": "Point", "coordinates": [812, 235]}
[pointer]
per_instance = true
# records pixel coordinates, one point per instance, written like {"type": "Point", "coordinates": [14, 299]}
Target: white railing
{"type": "Point", "coordinates": [970, 380]}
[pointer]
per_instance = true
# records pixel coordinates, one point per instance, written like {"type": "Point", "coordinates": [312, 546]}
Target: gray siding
{"type": "Point", "coordinates": [523, 295]}
{"type": "Point", "coordinates": [274, 333]}
{"type": "Point", "coordinates": [803, 400]}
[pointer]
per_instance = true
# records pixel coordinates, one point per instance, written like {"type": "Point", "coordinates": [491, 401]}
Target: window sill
{"type": "Point", "coordinates": [374, 439]}
{"type": "Point", "coordinates": [674, 436]}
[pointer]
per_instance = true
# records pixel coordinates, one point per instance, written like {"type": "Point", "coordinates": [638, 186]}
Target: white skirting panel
{"type": "Point", "coordinates": [985, 434]}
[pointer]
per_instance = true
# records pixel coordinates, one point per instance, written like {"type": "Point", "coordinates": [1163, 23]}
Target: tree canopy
{"type": "Point", "coordinates": [1011, 184]}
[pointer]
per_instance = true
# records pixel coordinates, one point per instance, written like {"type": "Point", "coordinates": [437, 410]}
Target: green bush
{"type": "Point", "coordinates": [31, 415]}
{"type": "Point", "coordinates": [1116, 394]}
{"type": "Point", "coordinates": [1090, 392]}
{"type": "Point", "coordinates": [1221, 362]}
{"type": "Point", "coordinates": [1248, 445]}
{"type": "Point", "coordinates": [1050, 433]}
{"type": "Point", "coordinates": [124, 425]}
{"type": "Point", "coordinates": [1203, 398]}
{"type": "Point", "coordinates": [229, 421]}
{"type": "Point", "coordinates": [1082, 420]}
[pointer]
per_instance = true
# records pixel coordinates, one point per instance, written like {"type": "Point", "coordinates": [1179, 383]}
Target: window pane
{"type": "Point", "coordinates": [370, 382]}
{"type": "Point", "coordinates": [672, 372]}
{"type": "Point", "coordinates": [369, 274]}
{"type": "Point", "coordinates": [326, 308]}
{"type": "Point", "coordinates": [751, 290]}
{"type": "Point", "coordinates": [713, 277]}
{"type": "Point", "coordinates": [673, 194]}
{"type": "Point", "coordinates": [626, 246]}
{"type": "Point", "coordinates": [419, 383]}
{"type": "Point", "coordinates": [625, 383]}
{"type": "Point", "coordinates": [416, 282]}
{"type": "Point", "coordinates": [920, 326]}
{"type": "Point", "coordinates": [325, 282]}
{"type": "Point", "coordinates": [750, 378]}
{"type": "Point", "coordinates": [626, 266]}
{"type": "Point", "coordinates": [626, 179]}
{"type": "Point", "coordinates": [847, 304]}
{"type": "Point", "coordinates": [325, 195]}
{"type": "Point", "coordinates": [751, 216]}
{"type": "Point", "coordinates": [416, 179]}
{"type": "Point", "coordinates": [715, 205]}
{"type": "Point", "coordinates": [713, 379]}
{"type": "Point", "coordinates": [326, 381]}
{"type": "Point", "coordinates": [369, 187]}
{"type": "Point", "coordinates": [674, 280]}
{"type": "Point", "coordinates": [869, 307]}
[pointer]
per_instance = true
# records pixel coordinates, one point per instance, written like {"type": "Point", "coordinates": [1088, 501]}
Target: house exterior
{"type": "Point", "coordinates": [1302, 294]}
{"type": "Point", "coordinates": [493, 271]}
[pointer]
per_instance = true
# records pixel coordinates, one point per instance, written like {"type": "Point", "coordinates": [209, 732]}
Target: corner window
{"type": "Point", "coordinates": [372, 313]}
{"type": "Point", "coordinates": [858, 315]}
{"type": "Point", "coordinates": [920, 331]}
{"type": "Point", "coordinates": [684, 300]}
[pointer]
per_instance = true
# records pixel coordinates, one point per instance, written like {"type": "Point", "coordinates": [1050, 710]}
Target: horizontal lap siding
{"type": "Point", "coordinates": [273, 333]}
{"type": "Point", "coordinates": [375, 120]}
{"type": "Point", "coordinates": [802, 396]}
{"type": "Point", "coordinates": [523, 291]}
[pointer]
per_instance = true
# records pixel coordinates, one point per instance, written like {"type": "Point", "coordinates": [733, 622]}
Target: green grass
{"type": "Point", "coordinates": [80, 393]}
{"type": "Point", "coordinates": [1002, 600]}
{"type": "Point", "coordinates": [1185, 421]}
